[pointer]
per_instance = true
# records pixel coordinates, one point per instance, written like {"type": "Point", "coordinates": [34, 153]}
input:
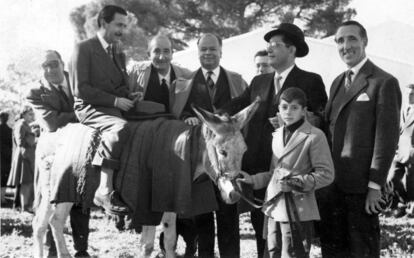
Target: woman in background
{"type": "Point", "coordinates": [22, 169]}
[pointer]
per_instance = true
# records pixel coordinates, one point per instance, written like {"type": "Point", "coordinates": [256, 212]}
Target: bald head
{"type": "Point", "coordinates": [209, 51]}
{"type": "Point", "coordinates": [160, 53]}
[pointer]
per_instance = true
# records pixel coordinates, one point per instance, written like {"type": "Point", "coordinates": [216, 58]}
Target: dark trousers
{"type": "Point", "coordinates": [114, 133]}
{"type": "Point", "coordinates": [282, 242]}
{"type": "Point", "coordinates": [79, 221]}
{"type": "Point", "coordinates": [257, 218]}
{"type": "Point", "coordinates": [228, 235]}
{"type": "Point", "coordinates": [346, 230]}
{"type": "Point", "coordinates": [403, 187]}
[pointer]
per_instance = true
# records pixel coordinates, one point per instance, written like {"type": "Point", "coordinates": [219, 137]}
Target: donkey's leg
{"type": "Point", "coordinates": [57, 223]}
{"type": "Point", "coordinates": [39, 224]}
{"type": "Point", "coordinates": [147, 240]}
{"type": "Point", "coordinates": [170, 233]}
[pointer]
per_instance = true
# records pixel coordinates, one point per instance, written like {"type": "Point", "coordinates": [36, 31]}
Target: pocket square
{"type": "Point", "coordinates": [363, 97]}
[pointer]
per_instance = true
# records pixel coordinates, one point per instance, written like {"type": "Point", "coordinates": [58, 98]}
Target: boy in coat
{"type": "Point", "coordinates": [301, 163]}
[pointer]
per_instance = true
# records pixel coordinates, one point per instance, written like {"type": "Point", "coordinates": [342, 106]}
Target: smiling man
{"type": "Point", "coordinates": [362, 114]}
{"type": "Point", "coordinates": [99, 81]}
{"type": "Point", "coordinates": [154, 78]}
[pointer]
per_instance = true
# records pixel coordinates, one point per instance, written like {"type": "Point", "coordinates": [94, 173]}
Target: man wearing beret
{"type": "Point", "coordinates": [285, 43]}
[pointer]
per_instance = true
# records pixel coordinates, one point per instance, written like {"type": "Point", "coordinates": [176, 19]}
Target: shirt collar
{"type": "Point", "coordinates": [64, 84]}
{"type": "Point", "coordinates": [214, 76]}
{"type": "Point", "coordinates": [284, 74]}
{"type": "Point", "coordinates": [102, 40]}
{"type": "Point", "coordinates": [167, 77]}
{"type": "Point", "coordinates": [358, 67]}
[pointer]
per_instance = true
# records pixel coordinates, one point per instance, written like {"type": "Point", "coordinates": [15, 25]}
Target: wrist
{"type": "Point", "coordinates": [116, 102]}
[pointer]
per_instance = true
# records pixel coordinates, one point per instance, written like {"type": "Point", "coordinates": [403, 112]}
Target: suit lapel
{"type": "Point", "coordinates": [107, 62]}
{"type": "Point", "coordinates": [298, 137]}
{"type": "Point", "coordinates": [333, 91]}
{"type": "Point", "coordinates": [359, 84]}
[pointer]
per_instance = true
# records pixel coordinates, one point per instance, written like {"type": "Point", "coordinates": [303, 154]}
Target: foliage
{"type": "Point", "coordinates": [184, 20]}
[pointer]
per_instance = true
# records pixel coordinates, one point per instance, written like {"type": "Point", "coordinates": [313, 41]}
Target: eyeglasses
{"type": "Point", "coordinates": [51, 64]}
{"type": "Point", "coordinates": [276, 44]}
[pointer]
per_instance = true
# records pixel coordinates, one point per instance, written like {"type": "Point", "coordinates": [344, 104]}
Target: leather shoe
{"type": "Point", "coordinates": [111, 203]}
{"type": "Point", "coordinates": [82, 254]}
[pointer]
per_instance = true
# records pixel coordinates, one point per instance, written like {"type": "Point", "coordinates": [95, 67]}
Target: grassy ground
{"type": "Point", "coordinates": [106, 241]}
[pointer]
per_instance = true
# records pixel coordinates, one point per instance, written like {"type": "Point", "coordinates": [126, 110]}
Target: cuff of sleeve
{"type": "Point", "coordinates": [374, 185]}
{"type": "Point", "coordinates": [116, 102]}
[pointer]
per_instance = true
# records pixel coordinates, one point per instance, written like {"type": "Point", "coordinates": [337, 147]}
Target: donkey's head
{"type": "Point", "coordinates": [225, 147]}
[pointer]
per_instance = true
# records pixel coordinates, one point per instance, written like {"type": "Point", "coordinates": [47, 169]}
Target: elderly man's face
{"type": "Point", "coordinates": [160, 54]}
{"type": "Point", "coordinates": [262, 65]}
{"type": "Point", "coordinates": [53, 68]}
{"type": "Point", "coordinates": [209, 52]}
{"type": "Point", "coordinates": [351, 46]}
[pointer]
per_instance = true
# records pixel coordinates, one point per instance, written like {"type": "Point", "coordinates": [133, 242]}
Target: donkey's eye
{"type": "Point", "coordinates": [223, 153]}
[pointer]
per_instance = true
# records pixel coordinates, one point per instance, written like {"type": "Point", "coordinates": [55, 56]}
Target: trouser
{"type": "Point", "coordinates": [185, 228]}
{"type": "Point", "coordinates": [79, 221]}
{"type": "Point", "coordinates": [257, 218]}
{"type": "Point", "coordinates": [282, 242]}
{"type": "Point", "coordinates": [402, 177]}
{"type": "Point", "coordinates": [114, 134]}
{"type": "Point", "coordinates": [228, 235]}
{"type": "Point", "coordinates": [346, 230]}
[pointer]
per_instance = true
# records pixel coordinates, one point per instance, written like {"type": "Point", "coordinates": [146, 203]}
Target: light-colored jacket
{"type": "Point", "coordinates": [306, 157]}
{"type": "Point", "coordinates": [140, 73]}
{"type": "Point", "coordinates": [182, 88]}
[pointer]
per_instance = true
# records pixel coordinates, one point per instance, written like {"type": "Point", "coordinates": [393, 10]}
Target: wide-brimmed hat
{"type": "Point", "coordinates": [293, 33]}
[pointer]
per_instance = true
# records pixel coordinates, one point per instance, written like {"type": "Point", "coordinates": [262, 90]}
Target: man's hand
{"type": "Point", "coordinates": [192, 121]}
{"type": "Point", "coordinates": [276, 121]}
{"type": "Point", "coordinates": [246, 179]}
{"type": "Point", "coordinates": [136, 96]}
{"type": "Point", "coordinates": [124, 104]}
{"type": "Point", "coordinates": [284, 186]}
{"type": "Point", "coordinates": [373, 201]}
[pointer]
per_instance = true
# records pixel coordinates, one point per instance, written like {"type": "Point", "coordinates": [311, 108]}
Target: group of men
{"type": "Point", "coordinates": [361, 119]}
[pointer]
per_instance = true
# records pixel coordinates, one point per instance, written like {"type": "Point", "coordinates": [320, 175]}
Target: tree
{"type": "Point", "coordinates": [184, 20]}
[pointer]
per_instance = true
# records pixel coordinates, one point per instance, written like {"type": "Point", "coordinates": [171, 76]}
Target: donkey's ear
{"type": "Point", "coordinates": [208, 118]}
{"type": "Point", "coordinates": [243, 117]}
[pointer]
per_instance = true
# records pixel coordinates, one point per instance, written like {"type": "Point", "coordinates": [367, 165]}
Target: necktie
{"type": "Point", "coordinates": [63, 93]}
{"type": "Point", "coordinates": [166, 94]}
{"type": "Point", "coordinates": [348, 79]}
{"type": "Point", "coordinates": [209, 81]}
{"type": "Point", "coordinates": [110, 52]}
{"type": "Point", "coordinates": [277, 84]}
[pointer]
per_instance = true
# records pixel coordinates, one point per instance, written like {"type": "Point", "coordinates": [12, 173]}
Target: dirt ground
{"type": "Point", "coordinates": [106, 241]}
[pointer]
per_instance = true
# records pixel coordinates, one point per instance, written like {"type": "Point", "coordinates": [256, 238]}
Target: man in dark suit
{"type": "Point", "coordinates": [6, 149]}
{"type": "Point", "coordinates": [211, 87]}
{"type": "Point", "coordinates": [363, 114]}
{"type": "Point", "coordinates": [52, 101]}
{"type": "Point", "coordinates": [99, 82]}
{"type": "Point", "coordinates": [402, 169]}
{"type": "Point", "coordinates": [285, 43]}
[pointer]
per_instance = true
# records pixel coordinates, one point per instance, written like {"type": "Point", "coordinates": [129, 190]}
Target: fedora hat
{"type": "Point", "coordinates": [293, 33]}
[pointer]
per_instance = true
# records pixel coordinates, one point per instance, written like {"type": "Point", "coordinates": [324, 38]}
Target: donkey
{"type": "Point", "coordinates": [221, 147]}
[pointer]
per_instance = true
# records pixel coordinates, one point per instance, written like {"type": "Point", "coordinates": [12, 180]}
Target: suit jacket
{"type": "Point", "coordinates": [140, 74]}
{"type": "Point", "coordinates": [52, 109]}
{"type": "Point", "coordinates": [182, 89]}
{"type": "Point", "coordinates": [366, 131]}
{"type": "Point", "coordinates": [96, 79]}
{"type": "Point", "coordinates": [405, 151]}
{"type": "Point", "coordinates": [307, 157]}
{"type": "Point", "coordinates": [259, 132]}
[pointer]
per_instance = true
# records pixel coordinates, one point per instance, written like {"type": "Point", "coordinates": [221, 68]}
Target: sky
{"type": "Point", "coordinates": [44, 24]}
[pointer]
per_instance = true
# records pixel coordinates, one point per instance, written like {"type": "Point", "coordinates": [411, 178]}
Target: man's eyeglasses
{"type": "Point", "coordinates": [51, 64]}
{"type": "Point", "coordinates": [276, 44]}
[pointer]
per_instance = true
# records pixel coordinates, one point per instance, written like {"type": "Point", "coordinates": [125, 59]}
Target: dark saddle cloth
{"type": "Point", "coordinates": [156, 173]}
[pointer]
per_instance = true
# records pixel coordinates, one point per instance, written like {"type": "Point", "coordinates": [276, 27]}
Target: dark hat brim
{"type": "Point", "coordinates": [302, 48]}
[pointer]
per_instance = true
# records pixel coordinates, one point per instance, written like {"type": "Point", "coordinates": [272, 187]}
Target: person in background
{"type": "Point", "coordinates": [52, 101]}
{"type": "Point", "coordinates": [22, 168]}
{"type": "Point", "coordinates": [363, 118]}
{"type": "Point", "coordinates": [6, 149]}
{"type": "Point", "coordinates": [402, 170]}
{"type": "Point", "coordinates": [261, 60]}
{"type": "Point", "coordinates": [301, 163]}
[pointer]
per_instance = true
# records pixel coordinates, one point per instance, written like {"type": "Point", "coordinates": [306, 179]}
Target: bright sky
{"type": "Point", "coordinates": [42, 24]}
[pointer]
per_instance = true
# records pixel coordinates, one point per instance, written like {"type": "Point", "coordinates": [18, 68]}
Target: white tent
{"type": "Point", "coordinates": [389, 46]}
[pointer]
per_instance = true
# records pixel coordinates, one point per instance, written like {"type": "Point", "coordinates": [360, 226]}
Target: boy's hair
{"type": "Point", "coordinates": [292, 94]}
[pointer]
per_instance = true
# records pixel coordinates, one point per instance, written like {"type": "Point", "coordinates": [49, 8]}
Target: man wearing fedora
{"type": "Point", "coordinates": [285, 43]}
